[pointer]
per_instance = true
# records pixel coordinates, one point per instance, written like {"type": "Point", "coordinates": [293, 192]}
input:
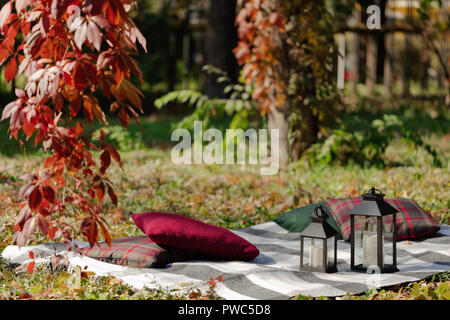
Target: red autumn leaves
{"type": "Point", "coordinates": [37, 195]}
{"type": "Point", "coordinates": [69, 50]}
{"type": "Point", "coordinates": [259, 27]}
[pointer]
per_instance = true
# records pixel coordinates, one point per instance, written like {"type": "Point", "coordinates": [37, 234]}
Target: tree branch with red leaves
{"type": "Point", "coordinates": [287, 52]}
{"type": "Point", "coordinates": [69, 51]}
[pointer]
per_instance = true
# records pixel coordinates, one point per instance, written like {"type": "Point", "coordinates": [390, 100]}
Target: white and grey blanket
{"type": "Point", "coordinates": [274, 274]}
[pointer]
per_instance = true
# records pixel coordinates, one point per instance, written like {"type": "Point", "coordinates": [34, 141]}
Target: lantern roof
{"type": "Point", "coordinates": [319, 227]}
{"type": "Point", "coordinates": [373, 205]}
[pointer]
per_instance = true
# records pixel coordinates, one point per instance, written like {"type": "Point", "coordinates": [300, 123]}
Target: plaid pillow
{"type": "Point", "coordinates": [137, 251]}
{"type": "Point", "coordinates": [412, 221]}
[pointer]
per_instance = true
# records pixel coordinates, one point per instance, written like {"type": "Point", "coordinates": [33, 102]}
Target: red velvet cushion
{"type": "Point", "coordinates": [181, 232]}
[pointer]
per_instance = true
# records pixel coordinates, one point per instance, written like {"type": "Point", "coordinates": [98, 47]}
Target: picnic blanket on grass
{"type": "Point", "coordinates": [274, 274]}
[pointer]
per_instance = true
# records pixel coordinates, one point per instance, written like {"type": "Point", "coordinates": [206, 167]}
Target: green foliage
{"type": "Point", "coordinates": [414, 291]}
{"type": "Point", "coordinates": [164, 69]}
{"type": "Point", "coordinates": [425, 6]}
{"type": "Point", "coordinates": [202, 105]}
{"type": "Point", "coordinates": [364, 141]}
{"type": "Point", "coordinates": [123, 139]}
{"type": "Point", "coordinates": [437, 288]}
{"type": "Point", "coordinates": [423, 291]}
{"type": "Point", "coordinates": [238, 106]}
{"type": "Point", "coordinates": [441, 277]}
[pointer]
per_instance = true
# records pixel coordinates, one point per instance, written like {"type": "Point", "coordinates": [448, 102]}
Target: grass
{"type": "Point", "coordinates": [61, 285]}
{"type": "Point", "coordinates": [156, 134]}
{"type": "Point", "coordinates": [436, 287]}
{"type": "Point", "coordinates": [226, 195]}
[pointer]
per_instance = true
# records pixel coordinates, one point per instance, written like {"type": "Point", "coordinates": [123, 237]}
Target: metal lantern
{"type": "Point", "coordinates": [318, 244]}
{"type": "Point", "coordinates": [373, 234]}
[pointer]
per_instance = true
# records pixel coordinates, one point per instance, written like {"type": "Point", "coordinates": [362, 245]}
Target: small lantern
{"type": "Point", "coordinates": [318, 244]}
{"type": "Point", "coordinates": [373, 234]}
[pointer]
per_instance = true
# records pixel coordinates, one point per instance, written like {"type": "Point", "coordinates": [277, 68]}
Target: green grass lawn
{"type": "Point", "coordinates": [231, 196]}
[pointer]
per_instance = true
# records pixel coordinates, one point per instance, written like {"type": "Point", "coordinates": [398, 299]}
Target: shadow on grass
{"type": "Point", "coordinates": [155, 133]}
{"type": "Point", "coordinates": [156, 130]}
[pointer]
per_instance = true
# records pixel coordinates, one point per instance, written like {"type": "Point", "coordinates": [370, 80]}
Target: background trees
{"type": "Point", "coordinates": [287, 52]}
{"type": "Point", "coordinates": [221, 40]}
{"type": "Point", "coordinates": [282, 65]}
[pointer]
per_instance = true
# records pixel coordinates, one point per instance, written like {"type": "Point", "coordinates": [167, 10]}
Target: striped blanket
{"type": "Point", "coordinates": [274, 274]}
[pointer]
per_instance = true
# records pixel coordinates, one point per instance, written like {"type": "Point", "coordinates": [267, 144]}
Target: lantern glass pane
{"type": "Point", "coordinates": [388, 235]}
{"type": "Point", "coordinates": [306, 249]}
{"type": "Point", "coordinates": [330, 252]}
{"type": "Point", "coordinates": [359, 233]}
{"type": "Point", "coordinates": [370, 242]}
{"type": "Point", "coordinates": [315, 254]}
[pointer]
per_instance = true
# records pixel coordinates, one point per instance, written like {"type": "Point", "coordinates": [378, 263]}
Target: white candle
{"type": "Point", "coordinates": [315, 256]}
{"type": "Point", "coordinates": [370, 250]}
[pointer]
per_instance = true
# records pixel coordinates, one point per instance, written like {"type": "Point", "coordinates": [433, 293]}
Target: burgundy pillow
{"type": "Point", "coordinates": [412, 221]}
{"type": "Point", "coordinates": [184, 233]}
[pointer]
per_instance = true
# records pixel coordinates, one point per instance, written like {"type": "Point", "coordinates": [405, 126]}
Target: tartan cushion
{"type": "Point", "coordinates": [411, 222]}
{"type": "Point", "coordinates": [136, 251]}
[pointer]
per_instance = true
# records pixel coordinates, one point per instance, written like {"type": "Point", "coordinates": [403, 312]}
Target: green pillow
{"type": "Point", "coordinates": [296, 220]}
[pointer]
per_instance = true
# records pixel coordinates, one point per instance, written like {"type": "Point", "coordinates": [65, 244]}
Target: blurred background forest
{"type": "Point", "coordinates": [388, 85]}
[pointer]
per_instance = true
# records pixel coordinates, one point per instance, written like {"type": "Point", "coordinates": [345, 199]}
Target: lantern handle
{"type": "Point", "coordinates": [319, 212]}
{"type": "Point", "coordinates": [373, 189]}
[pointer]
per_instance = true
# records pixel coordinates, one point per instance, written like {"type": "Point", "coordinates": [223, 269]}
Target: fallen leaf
{"type": "Point", "coordinates": [30, 267]}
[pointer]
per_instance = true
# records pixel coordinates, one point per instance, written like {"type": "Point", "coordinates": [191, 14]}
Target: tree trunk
{"type": "Point", "coordinates": [352, 57]}
{"type": "Point", "coordinates": [279, 119]}
{"type": "Point", "coordinates": [352, 62]}
{"type": "Point", "coordinates": [341, 62]}
{"type": "Point", "coordinates": [221, 40]}
{"type": "Point", "coordinates": [371, 62]}
{"type": "Point", "coordinates": [406, 65]}
{"type": "Point", "coordinates": [380, 38]}
{"type": "Point", "coordinates": [308, 128]}
{"type": "Point", "coordinates": [388, 64]}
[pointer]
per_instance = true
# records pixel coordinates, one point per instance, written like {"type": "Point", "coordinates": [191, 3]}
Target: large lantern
{"type": "Point", "coordinates": [318, 244]}
{"type": "Point", "coordinates": [373, 234]}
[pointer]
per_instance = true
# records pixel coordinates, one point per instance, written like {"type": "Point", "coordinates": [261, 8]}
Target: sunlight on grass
{"type": "Point", "coordinates": [230, 196]}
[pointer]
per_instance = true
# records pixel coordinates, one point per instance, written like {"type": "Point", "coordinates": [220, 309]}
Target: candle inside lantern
{"type": "Point", "coordinates": [370, 250]}
{"type": "Point", "coordinates": [316, 256]}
